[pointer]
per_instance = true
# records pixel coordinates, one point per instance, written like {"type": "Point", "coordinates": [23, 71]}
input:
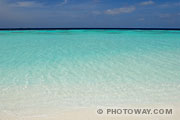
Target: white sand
{"type": "Point", "coordinates": [88, 114]}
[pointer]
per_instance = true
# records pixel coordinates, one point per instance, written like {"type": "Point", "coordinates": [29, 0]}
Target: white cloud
{"type": "Point", "coordinates": [141, 19]}
{"type": "Point", "coordinates": [120, 10]}
{"type": "Point", "coordinates": [165, 15]}
{"type": "Point", "coordinates": [177, 4]}
{"type": "Point", "coordinates": [27, 4]}
{"type": "Point", "coordinates": [63, 3]}
{"type": "Point", "coordinates": [34, 4]}
{"type": "Point", "coordinates": [96, 12]}
{"type": "Point", "coordinates": [165, 5]}
{"type": "Point", "coordinates": [147, 3]}
{"type": "Point", "coordinates": [96, 1]}
{"type": "Point", "coordinates": [168, 5]}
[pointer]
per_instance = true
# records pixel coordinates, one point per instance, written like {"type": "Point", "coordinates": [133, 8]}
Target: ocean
{"type": "Point", "coordinates": [43, 69]}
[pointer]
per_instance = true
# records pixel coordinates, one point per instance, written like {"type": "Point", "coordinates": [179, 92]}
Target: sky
{"type": "Point", "coordinates": [90, 13]}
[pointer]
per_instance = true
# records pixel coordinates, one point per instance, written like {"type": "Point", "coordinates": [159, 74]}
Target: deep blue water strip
{"type": "Point", "coordinates": [89, 28]}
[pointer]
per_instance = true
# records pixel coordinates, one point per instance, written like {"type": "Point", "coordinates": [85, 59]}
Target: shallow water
{"type": "Point", "coordinates": [81, 68]}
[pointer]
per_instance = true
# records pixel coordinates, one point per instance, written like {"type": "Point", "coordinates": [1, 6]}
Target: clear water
{"type": "Point", "coordinates": [81, 68]}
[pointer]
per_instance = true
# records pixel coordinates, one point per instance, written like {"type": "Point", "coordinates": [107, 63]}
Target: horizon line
{"type": "Point", "coordinates": [74, 28]}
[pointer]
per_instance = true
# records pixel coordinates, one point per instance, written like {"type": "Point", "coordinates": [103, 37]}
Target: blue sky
{"type": "Point", "coordinates": [90, 13]}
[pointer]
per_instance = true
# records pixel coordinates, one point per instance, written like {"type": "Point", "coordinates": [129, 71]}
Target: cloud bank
{"type": "Point", "coordinates": [27, 4]}
{"type": "Point", "coordinates": [120, 10]}
{"type": "Point", "coordinates": [147, 3]}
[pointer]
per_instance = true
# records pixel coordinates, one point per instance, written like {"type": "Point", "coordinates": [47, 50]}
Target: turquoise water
{"type": "Point", "coordinates": [65, 68]}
